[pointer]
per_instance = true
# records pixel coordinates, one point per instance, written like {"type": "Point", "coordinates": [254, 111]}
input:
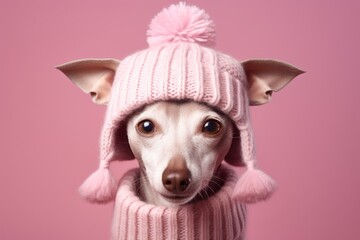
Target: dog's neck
{"type": "Point", "coordinates": [217, 217]}
{"type": "Point", "coordinates": [147, 194]}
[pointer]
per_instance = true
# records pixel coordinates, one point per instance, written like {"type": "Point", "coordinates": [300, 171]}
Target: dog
{"type": "Point", "coordinates": [180, 109]}
{"type": "Point", "coordinates": [179, 146]}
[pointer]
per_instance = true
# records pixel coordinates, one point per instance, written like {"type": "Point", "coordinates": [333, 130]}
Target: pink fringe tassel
{"type": "Point", "coordinates": [99, 187]}
{"type": "Point", "coordinates": [253, 186]}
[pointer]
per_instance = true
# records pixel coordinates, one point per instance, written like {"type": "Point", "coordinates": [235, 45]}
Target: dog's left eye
{"type": "Point", "coordinates": [146, 127]}
{"type": "Point", "coordinates": [211, 127]}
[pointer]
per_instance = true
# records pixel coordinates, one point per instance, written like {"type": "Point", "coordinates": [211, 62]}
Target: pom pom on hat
{"type": "Point", "coordinates": [99, 187]}
{"type": "Point", "coordinates": [253, 186]}
{"type": "Point", "coordinates": [181, 23]}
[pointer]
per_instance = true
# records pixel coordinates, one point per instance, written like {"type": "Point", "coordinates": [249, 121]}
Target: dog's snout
{"type": "Point", "coordinates": [176, 181]}
{"type": "Point", "coordinates": [176, 178]}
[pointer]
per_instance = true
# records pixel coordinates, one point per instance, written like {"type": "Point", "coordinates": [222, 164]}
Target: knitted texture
{"type": "Point", "coordinates": [177, 71]}
{"type": "Point", "coordinates": [178, 68]}
{"type": "Point", "coordinates": [217, 217]}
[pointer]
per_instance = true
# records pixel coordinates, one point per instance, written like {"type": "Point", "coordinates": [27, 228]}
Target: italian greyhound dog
{"type": "Point", "coordinates": [179, 144]}
{"type": "Point", "coordinates": [180, 108]}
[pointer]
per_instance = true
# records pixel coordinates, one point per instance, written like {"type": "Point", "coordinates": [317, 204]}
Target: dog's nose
{"type": "Point", "coordinates": [176, 180]}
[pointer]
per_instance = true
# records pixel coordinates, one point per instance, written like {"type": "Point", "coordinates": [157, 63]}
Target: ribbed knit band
{"type": "Point", "coordinates": [217, 217]}
{"type": "Point", "coordinates": [176, 71]}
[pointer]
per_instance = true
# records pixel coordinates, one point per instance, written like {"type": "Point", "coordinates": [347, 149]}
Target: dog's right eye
{"type": "Point", "coordinates": [146, 127]}
{"type": "Point", "coordinates": [212, 127]}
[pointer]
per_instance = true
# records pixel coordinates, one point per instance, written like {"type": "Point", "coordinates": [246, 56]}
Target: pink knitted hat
{"type": "Point", "coordinates": [179, 65]}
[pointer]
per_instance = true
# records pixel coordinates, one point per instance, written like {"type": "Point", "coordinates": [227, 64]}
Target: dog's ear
{"type": "Point", "coordinates": [267, 76]}
{"type": "Point", "coordinates": [93, 76]}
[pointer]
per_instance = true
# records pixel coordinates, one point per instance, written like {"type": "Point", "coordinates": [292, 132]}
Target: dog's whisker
{"type": "Point", "coordinates": [212, 190]}
{"type": "Point", "coordinates": [140, 184]}
{"type": "Point", "coordinates": [198, 197]}
{"type": "Point", "coordinates": [214, 184]}
{"type": "Point", "coordinates": [216, 176]}
{"type": "Point", "coordinates": [202, 196]}
{"type": "Point", "coordinates": [217, 183]}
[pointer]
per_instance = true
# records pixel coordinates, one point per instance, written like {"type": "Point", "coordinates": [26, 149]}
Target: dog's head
{"type": "Point", "coordinates": [179, 145]}
{"type": "Point", "coordinates": [152, 134]}
{"type": "Point", "coordinates": [177, 67]}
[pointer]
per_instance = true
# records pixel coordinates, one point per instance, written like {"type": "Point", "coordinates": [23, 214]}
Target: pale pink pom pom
{"type": "Point", "coordinates": [254, 185]}
{"type": "Point", "coordinates": [99, 187]}
{"type": "Point", "coordinates": [181, 23]}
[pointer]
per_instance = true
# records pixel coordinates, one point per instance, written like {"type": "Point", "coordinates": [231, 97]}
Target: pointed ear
{"type": "Point", "coordinates": [93, 76]}
{"type": "Point", "coordinates": [267, 76]}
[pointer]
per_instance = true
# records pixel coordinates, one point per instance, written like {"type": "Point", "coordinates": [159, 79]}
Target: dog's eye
{"type": "Point", "coordinates": [211, 127]}
{"type": "Point", "coordinates": [146, 127]}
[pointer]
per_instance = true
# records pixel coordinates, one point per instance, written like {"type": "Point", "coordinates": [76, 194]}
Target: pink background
{"type": "Point", "coordinates": [307, 137]}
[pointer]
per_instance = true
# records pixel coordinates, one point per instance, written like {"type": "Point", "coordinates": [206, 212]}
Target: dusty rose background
{"type": "Point", "coordinates": [308, 137]}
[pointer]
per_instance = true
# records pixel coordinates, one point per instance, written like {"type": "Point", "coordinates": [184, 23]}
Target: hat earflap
{"type": "Point", "coordinates": [254, 185]}
{"type": "Point", "coordinates": [100, 186]}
